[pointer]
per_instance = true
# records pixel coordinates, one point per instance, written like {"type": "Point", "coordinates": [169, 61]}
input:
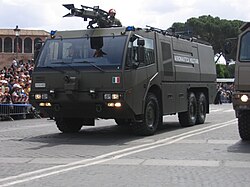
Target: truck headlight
{"type": "Point", "coordinates": [41, 96]}
{"type": "Point", "coordinates": [107, 96]}
{"type": "Point", "coordinates": [244, 98]}
{"type": "Point", "coordinates": [45, 96]}
{"type": "Point", "coordinates": [38, 96]}
{"type": "Point", "coordinates": [45, 104]}
{"type": "Point", "coordinates": [116, 105]}
{"type": "Point", "coordinates": [114, 96]}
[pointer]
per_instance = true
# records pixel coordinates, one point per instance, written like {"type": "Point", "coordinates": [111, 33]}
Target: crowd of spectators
{"type": "Point", "coordinates": [15, 82]}
{"type": "Point", "coordinates": [224, 93]}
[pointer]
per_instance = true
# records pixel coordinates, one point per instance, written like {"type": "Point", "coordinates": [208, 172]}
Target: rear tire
{"type": "Point", "coordinates": [189, 117]}
{"type": "Point", "coordinates": [201, 108]}
{"type": "Point", "coordinates": [151, 118]}
{"type": "Point", "coordinates": [244, 125]}
{"type": "Point", "coordinates": [68, 125]}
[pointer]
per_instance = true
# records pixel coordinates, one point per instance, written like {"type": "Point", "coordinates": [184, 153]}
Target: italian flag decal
{"type": "Point", "coordinates": [116, 80]}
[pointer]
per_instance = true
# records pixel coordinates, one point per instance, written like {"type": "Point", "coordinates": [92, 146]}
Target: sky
{"type": "Point", "coordinates": [48, 14]}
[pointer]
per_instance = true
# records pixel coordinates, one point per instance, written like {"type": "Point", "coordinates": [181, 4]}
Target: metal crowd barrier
{"type": "Point", "coordinates": [13, 111]}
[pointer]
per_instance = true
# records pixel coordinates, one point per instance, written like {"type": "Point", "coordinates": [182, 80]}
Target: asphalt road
{"type": "Point", "coordinates": [34, 153]}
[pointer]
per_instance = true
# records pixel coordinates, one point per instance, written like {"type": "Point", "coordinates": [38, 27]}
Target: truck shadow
{"type": "Point", "coordinates": [101, 136]}
{"type": "Point", "coordinates": [240, 147]}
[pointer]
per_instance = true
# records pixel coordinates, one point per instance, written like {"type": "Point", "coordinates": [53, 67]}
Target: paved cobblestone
{"type": "Point", "coordinates": [148, 176]}
{"type": "Point", "coordinates": [13, 169]}
{"type": "Point", "coordinates": [214, 158]}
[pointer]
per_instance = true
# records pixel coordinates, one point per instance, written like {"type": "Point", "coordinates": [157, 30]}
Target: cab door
{"type": "Point", "coordinates": [135, 76]}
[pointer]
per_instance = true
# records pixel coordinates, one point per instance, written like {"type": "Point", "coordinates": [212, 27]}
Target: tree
{"type": "Point", "coordinates": [220, 70]}
{"type": "Point", "coordinates": [225, 71]}
{"type": "Point", "coordinates": [213, 30]}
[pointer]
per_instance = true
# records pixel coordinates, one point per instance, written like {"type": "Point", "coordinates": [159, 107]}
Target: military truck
{"type": "Point", "coordinates": [241, 102]}
{"type": "Point", "coordinates": [132, 75]}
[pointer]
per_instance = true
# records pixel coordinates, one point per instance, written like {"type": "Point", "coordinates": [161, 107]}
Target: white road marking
{"type": "Point", "coordinates": [29, 176]}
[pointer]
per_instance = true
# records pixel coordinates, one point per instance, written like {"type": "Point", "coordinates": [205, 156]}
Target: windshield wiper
{"type": "Point", "coordinates": [94, 65]}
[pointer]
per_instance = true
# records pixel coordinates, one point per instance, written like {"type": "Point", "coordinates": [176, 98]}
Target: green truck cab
{"type": "Point", "coordinates": [132, 75]}
{"type": "Point", "coordinates": [241, 102]}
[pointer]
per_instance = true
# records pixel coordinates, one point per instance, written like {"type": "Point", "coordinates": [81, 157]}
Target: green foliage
{"type": "Point", "coordinates": [179, 26]}
{"type": "Point", "coordinates": [213, 30]}
{"type": "Point", "coordinates": [220, 71]}
{"type": "Point", "coordinates": [225, 71]}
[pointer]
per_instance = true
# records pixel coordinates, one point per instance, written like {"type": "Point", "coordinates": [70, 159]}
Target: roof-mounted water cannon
{"type": "Point", "coordinates": [97, 15]}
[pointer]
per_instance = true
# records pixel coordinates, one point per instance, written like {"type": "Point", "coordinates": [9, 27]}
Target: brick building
{"type": "Point", "coordinates": [26, 42]}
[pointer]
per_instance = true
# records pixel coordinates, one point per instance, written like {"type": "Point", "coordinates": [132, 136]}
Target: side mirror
{"type": "Point", "coordinates": [140, 57]}
{"type": "Point", "coordinates": [96, 42]}
{"type": "Point", "coordinates": [228, 47]}
{"type": "Point", "coordinates": [141, 50]}
{"type": "Point", "coordinates": [141, 54]}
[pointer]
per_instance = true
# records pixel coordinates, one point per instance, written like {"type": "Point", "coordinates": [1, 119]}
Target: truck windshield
{"type": "Point", "coordinates": [245, 48]}
{"type": "Point", "coordinates": [83, 53]}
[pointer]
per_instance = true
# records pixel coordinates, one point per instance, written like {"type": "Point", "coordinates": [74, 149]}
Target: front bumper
{"type": "Point", "coordinates": [82, 105]}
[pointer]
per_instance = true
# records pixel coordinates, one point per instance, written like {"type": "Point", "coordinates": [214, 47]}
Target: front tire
{"type": "Point", "coordinates": [151, 117]}
{"type": "Point", "coordinates": [189, 117]}
{"type": "Point", "coordinates": [68, 125]}
{"type": "Point", "coordinates": [244, 125]}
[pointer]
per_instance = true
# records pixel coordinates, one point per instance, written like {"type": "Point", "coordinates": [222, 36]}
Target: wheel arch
{"type": "Point", "coordinates": [156, 90]}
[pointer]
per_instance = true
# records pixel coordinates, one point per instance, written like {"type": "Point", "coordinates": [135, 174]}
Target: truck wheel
{"type": "Point", "coordinates": [151, 117]}
{"type": "Point", "coordinates": [244, 125]}
{"type": "Point", "coordinates": [68, 125]}
{"type": "Point", "coordinates": [189, 117]}
{"type": "Point", "coordinates": [123, 122]}
{"type": "Point", "coordinates": [201, 108]}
